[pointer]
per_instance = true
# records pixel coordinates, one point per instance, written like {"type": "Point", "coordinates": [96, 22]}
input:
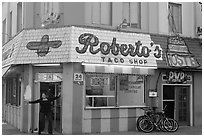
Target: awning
{"type": "Point", "coordinates": [118, 69]}
{"type": "Point", "coordinates": [5, 70]}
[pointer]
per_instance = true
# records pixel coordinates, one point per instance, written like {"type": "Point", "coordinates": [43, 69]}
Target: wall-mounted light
{"type": "Point", "coordinates": [123, 25]}
{"type": "Point", "coordinates": [199, 31]}
{"type": "Point", "coordinates": [46, 65]}
{"type": "Point", "coordinates": [114, 65]}
{"type": "Point", "coordinates": [50, 20]}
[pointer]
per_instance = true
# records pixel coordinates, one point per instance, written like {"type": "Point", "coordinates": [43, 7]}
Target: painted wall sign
{"type": "Point", "coordinates": [49, 77]}
{"type": "Point", "coordinates": [108, 47]}
{"type": "Point", "coordinates": [43, 46]}
{"type": "Point", "coordinates": [177, 77]}
{"type": "Point", "coordinates": [178, 54]}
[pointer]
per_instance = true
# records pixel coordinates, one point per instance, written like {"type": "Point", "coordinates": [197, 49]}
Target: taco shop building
{"type": "Point", "coordinates": [104, 77]}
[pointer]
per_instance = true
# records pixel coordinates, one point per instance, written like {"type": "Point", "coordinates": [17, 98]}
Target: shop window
{"type": "Point", "coordinates": [13, 91]}
{"type": "Point", "coordinates": [132, 13]}
{"type": "Point", "coordinates": [131, 91]}
{"type": "Point", "coordinates": [100, 90]}
{"type": "Point", "coordinates": [109, 90]}
{"type": "Point", "coordinates": [175, 18]}
{"type": "Point", "coordinates": [101, 13]}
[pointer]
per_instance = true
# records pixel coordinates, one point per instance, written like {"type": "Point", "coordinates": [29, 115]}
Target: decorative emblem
{"type": "Point", "coordinates": [43, 46]}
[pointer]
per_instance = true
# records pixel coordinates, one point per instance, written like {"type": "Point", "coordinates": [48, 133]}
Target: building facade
{"type": "Point", "coordinates": [107, 60]}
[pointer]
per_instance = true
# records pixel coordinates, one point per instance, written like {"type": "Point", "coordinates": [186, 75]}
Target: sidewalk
{"type": "Point", "coordinates": [196, 130]}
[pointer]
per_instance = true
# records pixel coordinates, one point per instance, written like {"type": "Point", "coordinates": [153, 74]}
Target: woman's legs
{"type": "Point", "coordinates": [50, 119]}
{"type": "Point", "coordinates": [41, 122]}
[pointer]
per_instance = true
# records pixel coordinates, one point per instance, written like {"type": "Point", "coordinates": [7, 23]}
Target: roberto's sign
{"type": "Point", "coordinates": [106, 47]}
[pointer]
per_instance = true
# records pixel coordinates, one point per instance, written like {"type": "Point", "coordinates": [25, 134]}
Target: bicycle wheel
{"type": "Point", "coordinates": [171, 125]}
{"type": "Point", "coordinates": [146, 125]}
{"type": "Point", "coordinates": [161, 125]}
{"type": "Point", "coordinates": [138, 120]}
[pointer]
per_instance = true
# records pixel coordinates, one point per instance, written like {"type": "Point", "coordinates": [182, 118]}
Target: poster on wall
{"type": "Point", "coordinates": [131, 90]}
{"type": "Point", "coordinates": [99, 81]}
{"type": "Point", "coordinates": [27, 94]}
{"type": "Point", "coordinates": [135, 83]}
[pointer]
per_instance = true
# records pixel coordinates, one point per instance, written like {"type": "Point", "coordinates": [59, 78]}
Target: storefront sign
{"type": "Point", "coordinates": [49, 77]}
{"type": "Point", "coordinates": [42, 47]}
{"type": "Point", "coordinates": [178, 77]}
{"type": "Point", "coordinates": [90, 41]}
{"type": "Point", "coordinates": [178, 54]}
{"type": "Point", "coordinates": [115, 48]}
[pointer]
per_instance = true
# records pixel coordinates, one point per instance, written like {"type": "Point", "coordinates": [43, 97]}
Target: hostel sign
{"type": "Point", "coordinates": [178, 54]}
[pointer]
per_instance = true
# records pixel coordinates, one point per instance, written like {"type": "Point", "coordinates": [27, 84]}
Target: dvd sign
{"type": "Point", "coordinates": [178, 77]}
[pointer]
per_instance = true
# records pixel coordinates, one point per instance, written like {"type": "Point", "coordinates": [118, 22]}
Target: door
{"type": "Point", "coordinates": [177, 99]}
{"type": "Point", "coordinates": [54, 89]}
{"type": "Point", "coordinates": [183, 105]}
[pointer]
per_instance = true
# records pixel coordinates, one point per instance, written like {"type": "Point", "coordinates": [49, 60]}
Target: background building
{"type": "Point", "coordinates": [177, 79]}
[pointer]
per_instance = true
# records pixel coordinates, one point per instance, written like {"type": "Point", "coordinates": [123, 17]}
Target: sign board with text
{"type": "Point", "coordinates": [178, 54]}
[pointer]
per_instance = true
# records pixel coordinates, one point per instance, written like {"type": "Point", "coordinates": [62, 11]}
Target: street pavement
{"type": "Point", "coordinates": [185, 130]}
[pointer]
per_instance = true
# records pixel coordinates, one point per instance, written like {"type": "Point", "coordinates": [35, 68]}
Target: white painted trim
{"type": "Point", "coordinates": [191, 98]}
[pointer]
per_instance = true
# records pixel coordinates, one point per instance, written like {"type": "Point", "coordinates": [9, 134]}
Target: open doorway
{"type": "Point", "coordinates": [177, 99]}
{"type": "Point", "coordinates": [54, 88]}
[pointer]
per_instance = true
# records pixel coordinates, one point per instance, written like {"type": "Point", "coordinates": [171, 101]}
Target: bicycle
{"type": "Point", "coordinates": [151, 120]}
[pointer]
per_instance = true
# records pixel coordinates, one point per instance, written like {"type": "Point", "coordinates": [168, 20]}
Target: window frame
{"type": "Point", "coordinates": [173, 5]}
{"type": "Point", "coordinates": [130, 22]}
{"type": "Point", "coordinates": [19, 16]}
{"type": "Point", "coordinates": [116, 96]}
{"type": "Point", "coordinates": [100, 13]}
{"type": "Point", "coordinates": [13, 91]}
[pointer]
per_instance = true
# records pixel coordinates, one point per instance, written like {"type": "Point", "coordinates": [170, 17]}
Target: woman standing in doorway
{"type": "Point", "coordinates": [45, 111]}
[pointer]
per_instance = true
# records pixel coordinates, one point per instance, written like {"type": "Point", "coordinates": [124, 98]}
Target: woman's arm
{"type": "Point", "coordinates": [35, 101]}
{"type": "Point", "coordinates": [54, 98]}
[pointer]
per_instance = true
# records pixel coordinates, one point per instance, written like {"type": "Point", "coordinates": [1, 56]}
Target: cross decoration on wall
{"type": "Point", "coordinates": [43, 46]}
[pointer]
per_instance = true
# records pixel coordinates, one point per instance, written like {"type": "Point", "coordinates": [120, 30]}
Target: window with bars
{"type": "Point", "coordinates": [13, 91]}
{"type": "Point", "coordinates": [175, 17]}
{"type": "Point", "coordinates": [132, 13]}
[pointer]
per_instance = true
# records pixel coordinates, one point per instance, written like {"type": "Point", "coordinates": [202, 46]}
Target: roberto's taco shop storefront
{"type": "Point", "coordinates": [105, 78]}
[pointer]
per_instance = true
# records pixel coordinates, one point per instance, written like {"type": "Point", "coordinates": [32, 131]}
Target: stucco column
{"type": "Point", "coordinates": [67, 98]}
